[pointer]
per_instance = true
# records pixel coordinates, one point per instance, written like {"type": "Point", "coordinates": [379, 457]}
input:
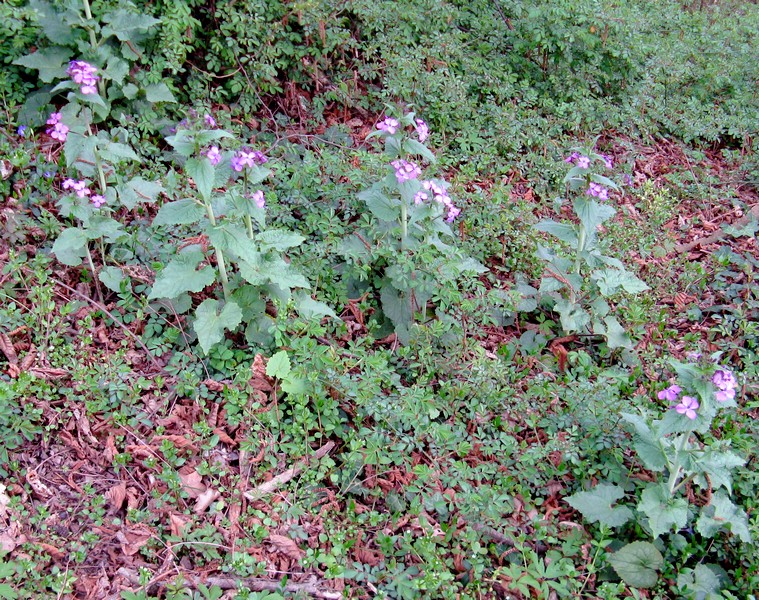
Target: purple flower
{"type": "Point", "coordinates": [453, 212]}
{"type": "Point", "coordinates": [439, 193]}
{"type": "Point", "coordinates": [210, 121]}
{"type": "Point", "coordinates": [213, 154]}
{"type": "Point", "coordinates": [78, 186]}
{"type": "Point", "coordinates": [421, 197]}
{"type": "Point", "coordinates": [572, 157]}
{"type": "Point", "coordinates": [583, 162]}
{"type": "Point", "coordinates": [598, 191]}
{"type": "Point", "coordinates": [258, 198]}
{"type": "Point", "coordinates": [247, 159]}
{"type": "Point", "coordinates": [83, 73]}
{"type": "Point", "coordinates": [21, 131]}
{"type": "Point", "coordinates": [98, 200]}
{"type": "Point", "coordinates": [670, 394]}
{"type": "Point", "coordinates": [59, 132]}
{"type": "Point", "coordinates": [389, 125]}
{"type": "Point", "coordinates": [725, 383]}
{"type": "Point", "coordinates": [607, 161]}
{"type": "Point", "coordinates": [688, 407]}
{"type": "Point", "coordinates": [422, 130]}
{"type": "Point", "coordinates": [405, 170]}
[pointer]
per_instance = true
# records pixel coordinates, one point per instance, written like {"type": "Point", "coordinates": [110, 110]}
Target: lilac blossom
{"type": "Point", "coordinates": [98, 200]}
{"type": "Point", "coordinates": [670, 394]}
{"type": "Point", "coordinates": [598, 191]}
{"type": "Point", "coordinates": [422, 130]}
{"type": "Point", "coordinates": [389, 125]}
{"type": "Point", "coordinates": [57, 130]}
{"type": "Point", "coordinates": [726, 385]}
{"type": "Point", "coordinates": [688, 407]}
{"type": "Point", "coordinates": [213, 154]}
{"type": "Point", "coordinates": [83, 73]}
{"type": "Point", "coordinates": [210, 121]}
{"type": "Point", "coordinates": [78, 186]}
{"type": "Point", "coordinates": [259, 199]}
{"type": "Point", "coordinates": [405, 170]}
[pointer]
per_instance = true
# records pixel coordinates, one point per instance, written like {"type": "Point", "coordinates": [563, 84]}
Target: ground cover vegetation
{"type": "Point", "coordinates": [425, 299]}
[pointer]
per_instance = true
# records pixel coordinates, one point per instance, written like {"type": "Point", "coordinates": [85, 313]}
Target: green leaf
{"type": "Point", "coordinates": [591, 213]}
{"type": "Point", "coordinates": [50, 62]}
{"type": "Point", "coordinates": [138, 190]}
{"type": "Point", "coordinates": [210, 324]}
{"type": "Point", "coordinates": [647, 443]}
{"type": "Point", "coordinates": [610, 280]}
{"type": "Point", "coordinates": [80, 151]}
{"type": "Point", "coordinates": [616, 336]}
{"type": "Point", "coordinates": [416, 147]}
{"type": "Point", "coordinates": [702, 583]}
{"type": "Point", "coordinates": [55, 25]}
{"type": "Point", "coordinates": [159, 92]}
{"type": "Point", "coordinates": [663, 511]}
{"type": "Point", "coordinates": [114, 152]}
{"type": "Point", "coordinates": [566, 233]}
{"type": "Point", "coordinates": [278, 365]}
{"type": "Point", "coordinates": [279, 239]}
{"type": "Point", "coordinates": [573, 317]}
{"type": "Point", "coordinates": [597, 505]}
{"type": "Point", "coordinates": [202, 172]}
{"type": "Point", "coordinates": [637, 564]}
{"type": "Point", "coordinates": [181, 275]}
{"type": "Point", "coordinates": [718, 465]}
{"type": "Point", "coordinates": [720, 513]}
{"type": "Point", "coordinates": [111, 277]}
{"type": "Point", "coordinates": [101, 226]}
{"type": "Point", "coordinates": [231, 238]}
{"type": "Point", "coordinates": [309, 308]}
{"type": "Point", "coordinates": [71, 246]}
{"type": "Point", "coordinates": [125, 24]}
{"type": "Point", "coordinates": [380, 205]}
{"type": "Point", "coordinates": [181, 212]}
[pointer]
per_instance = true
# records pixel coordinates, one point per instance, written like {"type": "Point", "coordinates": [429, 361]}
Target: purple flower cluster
{"type": "Point", "coordinates": [406, 170]}
{"type": "Point", "coordinates": [422, 130]}
{"type": "Point", "coordinates": [57, 130]}
{"type": "Point", "coordinates": [726, 385]}
{"type": "Point", "coordinates": [245, 159]}
{"type": "Point", "coordinates": [79, 187]}
{"type": "Point", "coordinates": [597, 190]}
{"type": "Point", "coordinates": [83, 73]}
{"type": "Point", "coordinates": [440, 194]}
{"type": "Point", "coordinates": [389, 125]}
{"type": "Point", "coordinates": [213, 154]}
{"type": "Point", "coordinates": [687, 405]}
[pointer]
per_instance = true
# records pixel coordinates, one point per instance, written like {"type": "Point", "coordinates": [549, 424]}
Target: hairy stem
{"type": "Point", "coordinates": [219, 256]}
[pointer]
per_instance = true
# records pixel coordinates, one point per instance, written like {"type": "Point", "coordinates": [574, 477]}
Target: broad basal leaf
{"type": "Point", "coordinates": [181, 212]}
{"type": "Point", "coordinates": [279, 239]}
{"type": "Point", "coordinates": [598, 505]}
{"type": "Point", "coordinates": [278, 365]}
{"type": "Point", "coordinates": [616, 336]}
{"type": "Point", "coordinates": [182, 275]}
{"type": "Point", "coordinates": [210, 324]}
{"type": "Point", "coordinates": [663, 511]}
{"type": "Point", "coordinates": [720, 514]}
{"type": "Point", "coordinates": [70, 246]}
{"type": "Point", "coordinates": [50, 62]}
{"type": "Point", "coordinates": [637, 564]}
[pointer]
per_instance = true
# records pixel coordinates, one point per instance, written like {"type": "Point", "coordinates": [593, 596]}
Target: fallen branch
{"type": "Point", "coordinates": [313, 587]}
{"type": "Point", "coordinates": [269, 486]}
{"type": "Point", "coordinates": [718, 235]}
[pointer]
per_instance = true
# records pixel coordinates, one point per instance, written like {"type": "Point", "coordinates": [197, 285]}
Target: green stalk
{"type": "Point", "coordinates": [404, 223]}
{"type": "Point", "coordinates": [101, 173]}
{"type": "Point", "coordinates": [94, 273]}
{"type": "Point", "coordinates": [88, 14]}
{"type": "Point", "coordinates": [674, 472]}
{"type": "Point", "coordinates": [246, 217]}
{"type": "Point", "coordinates": [581, 237]}
{"type": "Point", "coordinates": [219, 256]}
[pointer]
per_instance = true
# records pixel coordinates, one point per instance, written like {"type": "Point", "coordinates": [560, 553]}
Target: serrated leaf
{"type": "Point", "coordinates": [611, 280]}
{"type": "Point", "coordinates": [721, 513]}
{"type": "Point", "coordinates": [210, 324]}
{"type": "Point", "coordinates": [663, 511]}
{"type": "Point", "coordinates": [396, 306]}
{"type": "Point", "coordinates": [159, 92]}
{"type": "Point", "coordinates": [55, 25]}
{"type": "Point", "coordinates": [51, 63]}
{"type": "Point", "coordinates": [702, 583]}
{"type": "Point", "coordinates": [309, 308]}
{"type": "Point", "coordinates": [125, 24]}
{"type": "Point", "coordinates": [180, 212]}
{"type": "Point", "coordinates": [232, 239]}
{"type": "Point", "coordinates": [111, 277]}
{"type": "Point", "coordinates": [573, 317]}
{"type": "Point", "coordinates": [138, 190]}
{"type": "Point", "coordinates": [100, 226]}
{"type": "Point", "coordinates": [182, 275]}
{"type": "Point", "coordinates": [419, 149]}
{"type": "Point", "coordinates": [278, 365]}
{"type": "Point", "coordinates": [718, 465]}
{"type": "Point", "coordinates": [598, 505]}
{"type": "Point", "coordinates": [80, 150]}
{"type": "Point", "coordinates": [591, 213]}
{"type": "Point", "coordinates": [202, 172]}
{"type": "Point", "coordinates": [565, 232]}
{"type": "Point", "coordinates": [70, 246]}
{"type": "Point", "coordinates": [637, 564]}
{"type": "Point", "coordinates": [380, 205]}
{"type": "Point", "coordinates": [115, 152]}
{"type": "Point", "coordinates": [279, 239]}
{"type": "Point", "coordinates": [616, 336]}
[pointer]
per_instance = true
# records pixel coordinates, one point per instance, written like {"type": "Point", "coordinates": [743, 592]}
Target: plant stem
{"type": "Point", "coordinates": [581, 237]}
{"type": "Point", "coordinates": [674, 472]}
{"type": "Point", "coordinates": [88, 14]}
{"type": "Point", "coordinates": [219, 256]}
{"type": "Point", "coordinates": [94, 273]}
{"type": "Point", "coordinates": [404, 223]}
{"type": "Point", "coordinates": [101, 173]}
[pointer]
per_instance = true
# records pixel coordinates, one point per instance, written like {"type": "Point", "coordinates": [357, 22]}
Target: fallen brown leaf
{"type": "Point", "coordinates": [284, 545]}
{"type": "Point", "coordinates": [116, 496]}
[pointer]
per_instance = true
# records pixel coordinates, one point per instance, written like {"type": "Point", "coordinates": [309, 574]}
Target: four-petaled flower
{"type": "Point", "coordinates": [583, 162]}
{"type": "Point", "coordinates": [247, 159]}
{"type": "Point", "coordinates": [259, 199]}
{"type": "Point", "coordinates": [688, 407]}
{"type": "Point", "coordinates": [572, 157]}
{"type": "Point", "coordinates": [83, 73]}
{"type": "Point", "coordinates": [597, 190]}
{"type": "Point", "coordinates": [670, 394]}
{"type": "Point", "coordinates": [607, 161]}
{"type": "Point", "coordinates": [210, 121]}
{"type": "Point", "coordinates": [405, 170]}
{"type": "Point", "coordinates": [78, 186]}
{"type": "Point", "coordinates": [726, 385]}
{"type": "Point", "coordinates": [422, 130]}
{"type": "Point", "coordinates": [389, 125]}
{"type": "Point", "coordinates": [98, 200]}
{"type": "Point", "coordinates": [213, 154]}
{"type": "Point", "coordinates": [57, 130]}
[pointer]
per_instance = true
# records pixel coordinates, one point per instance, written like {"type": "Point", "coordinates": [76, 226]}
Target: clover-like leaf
{"type": "Point", "coordinates": [598, 505]}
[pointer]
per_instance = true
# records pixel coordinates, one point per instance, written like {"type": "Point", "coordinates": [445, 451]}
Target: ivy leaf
{"type": "Point", "coordinates": [71, 246]}
{"type": "Point", "coordinates": [637, 564]}
{"type": "Point", "coordinates": [721, 512]}
{"type": "Point", "coordinates": [180, 212]}
{"type": "Point", "coordinates": [210, 324]}
{"type": "Point", "coordinates": [663, 511]}
{"type": "Point", "coordinates": [50, 62]}
{"type": "Point", "coordinates": [278, 365]}
{"type": "Point", "coordinates": [181, 275]}
{"type": "Point", "coordinates": [597, 505]}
